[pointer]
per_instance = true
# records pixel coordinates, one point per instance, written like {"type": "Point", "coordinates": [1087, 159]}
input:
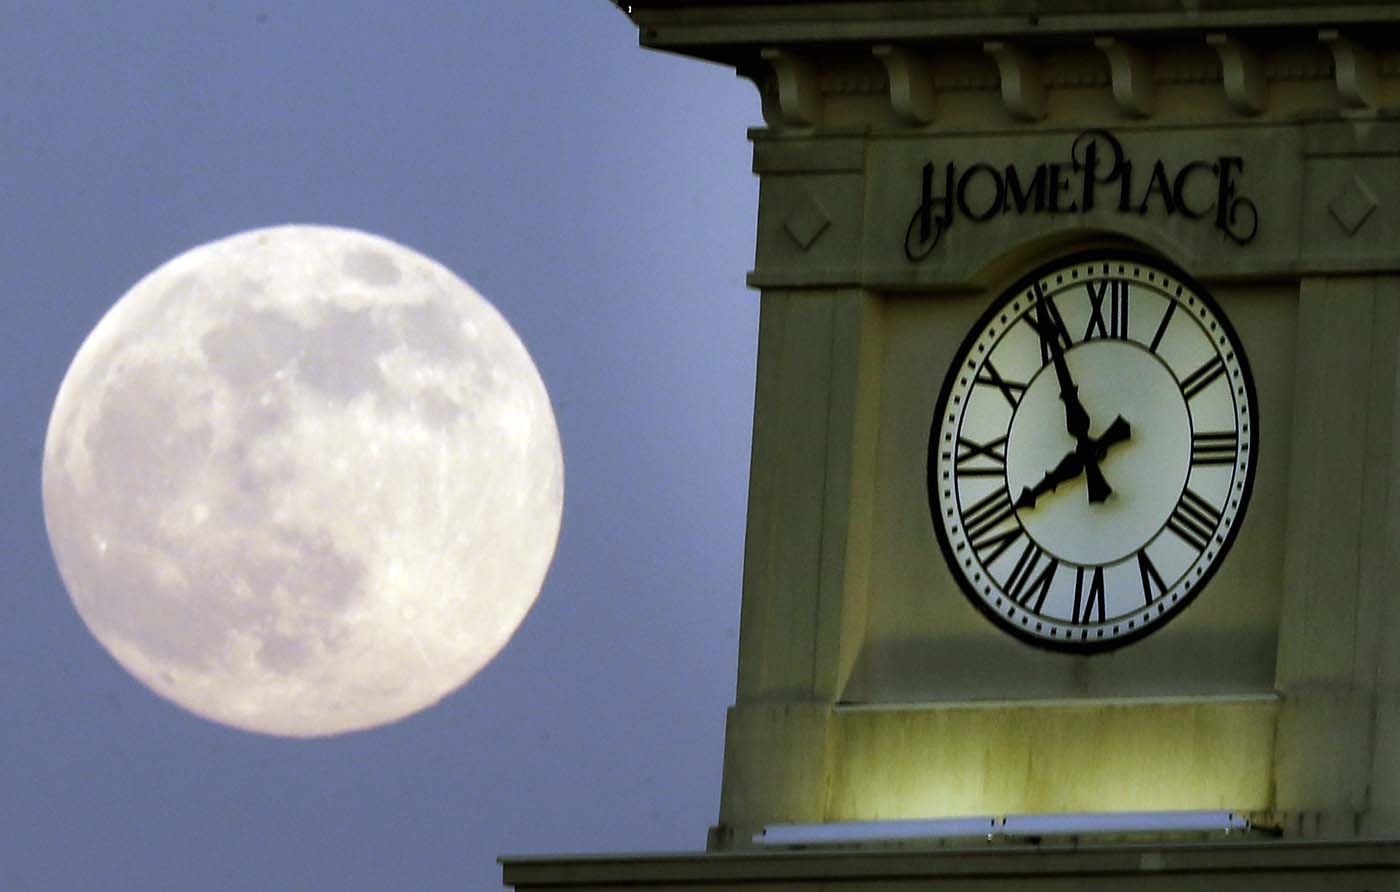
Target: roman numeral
{"type": "Point", "coordinates": [1162, 327]}
{"type": "Point", "coordinates": [1151, 579]}
{"type": "Point", "coordinates": [993, 451]}
{"type": "Point", "coordinates": [1093, 602]}
{"type": "Point", "coordinates": [1012, 390]}
{"type": "Point", "coordinates": [982, 520]}
{"type": "Point", "coordinates": [1022, 586]}
{"type": "Point", "coordinates": [1194, 520]}
{"type": "Point", "coordinates": [1047, 323]}
{"type": "Point", "coordinates": [1201, 378]}
{"type": "Point", "coordinates": [1116, 326]}
{"type": "Point", "coordinates": [1214, 447]}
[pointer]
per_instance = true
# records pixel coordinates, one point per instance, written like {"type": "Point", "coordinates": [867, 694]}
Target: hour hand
{"type": "Point", "coordinates": [1118, 431]}
{"type": "Point", "coordinates": [1069, 468]}
{"type": "Point", "coordinates": [1099, 490]}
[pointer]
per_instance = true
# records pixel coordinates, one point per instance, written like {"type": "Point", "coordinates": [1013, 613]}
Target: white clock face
{"type": "Point", "coordinates": [1092, 452]}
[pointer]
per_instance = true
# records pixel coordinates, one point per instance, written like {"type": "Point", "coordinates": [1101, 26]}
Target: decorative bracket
{"type": "Point", "coordinates": [1242, 71]}
{"type": "Point", "coordinates": [1021, 87]}
{"type": "Point", "coordinates": [1131, 73]}
{"type": "Point", "coordinates": [911, 83]}
{"type": "Point", "coordinates": [1355, 67]}
{"type": "Point", "coordinates": [799, 87]}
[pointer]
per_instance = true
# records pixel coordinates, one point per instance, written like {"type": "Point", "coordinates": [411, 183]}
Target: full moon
{"type": "Point", "coordinates": [302, 480]}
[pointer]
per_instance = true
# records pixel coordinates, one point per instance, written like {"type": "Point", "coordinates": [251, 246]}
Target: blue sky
{"type": "Point", "coordinates": [601, 196]}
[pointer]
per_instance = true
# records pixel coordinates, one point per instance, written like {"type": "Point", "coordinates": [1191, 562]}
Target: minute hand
{"type": "Point", "coordinates": [1076, 416]}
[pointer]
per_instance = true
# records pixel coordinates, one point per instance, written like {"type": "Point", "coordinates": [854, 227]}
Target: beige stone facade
{"type": "Point", "coordinates": [1254, 145]}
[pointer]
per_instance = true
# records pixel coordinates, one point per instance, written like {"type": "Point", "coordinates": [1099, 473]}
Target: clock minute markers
{"type": "Point", "coordinates": [1025, 583]}
{"type": "Point", "coordinates": [1162, 327]}
{"type": "Point", "coordinates": [1095, 600]}
{"type": "Point", "coordinates": [1153, 586]}
{"type": "Point", "coordinates": [1202, 377]}
{"type": "Point", "coordinates": [1214, 447]}
{"type": "Point", "coordinates": [1011, 390]}
{"type": "Point", "coordinates": [984, 523]}
{"type": "Point", "coordinates": [1115, 293]}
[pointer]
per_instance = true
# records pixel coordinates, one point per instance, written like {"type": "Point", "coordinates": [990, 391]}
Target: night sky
{"type": "Point", "coordinates": [601, 197]}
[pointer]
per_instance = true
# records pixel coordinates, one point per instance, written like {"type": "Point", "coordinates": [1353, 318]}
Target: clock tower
{"type": "Point", "coordinates": [1075, 485]}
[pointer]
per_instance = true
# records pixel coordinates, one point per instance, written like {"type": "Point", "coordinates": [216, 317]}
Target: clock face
{"type": "Point", "coordinates": [1092, 451]}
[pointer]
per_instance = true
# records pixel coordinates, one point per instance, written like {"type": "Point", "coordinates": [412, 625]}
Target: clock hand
{"type": "Point", "coordinates": [1076, 418]}
{"type": "Point", "coordinates": [1069, 468]}
{"type": "Point", "coordinates": [1117, 432]}
{"type": "Point", "coordinates": [1080, 460]}
{"type": "Point", "coordinates": [1099, 490]}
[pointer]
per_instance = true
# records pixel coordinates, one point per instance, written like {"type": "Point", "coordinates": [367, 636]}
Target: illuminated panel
{"type": "Point", "coordinates": [891, 764]}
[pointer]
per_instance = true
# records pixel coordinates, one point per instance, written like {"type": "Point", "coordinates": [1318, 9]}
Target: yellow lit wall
{"type": "Point", "coordinates": [1018, 759]}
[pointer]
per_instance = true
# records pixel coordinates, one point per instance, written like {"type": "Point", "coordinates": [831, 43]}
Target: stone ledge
{"type": "Point", "coordinates": [1274, 865]}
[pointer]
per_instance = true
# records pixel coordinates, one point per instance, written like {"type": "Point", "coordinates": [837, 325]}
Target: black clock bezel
{"type": "Point", "coordinates": [1070, 645]}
